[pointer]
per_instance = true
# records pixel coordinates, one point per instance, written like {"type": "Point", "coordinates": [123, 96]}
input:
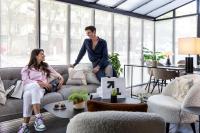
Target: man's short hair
{"type": "Point", "coordinates": [92, 28]}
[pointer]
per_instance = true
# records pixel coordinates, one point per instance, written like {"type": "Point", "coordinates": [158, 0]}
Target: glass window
{"type": "Point", "coordinates": [18, 32]}
{"type": "Point", "coordinates": [167, 15]}
{"type": "Point", "coordinates": [148, 34]}
{"type": "Point", "coordinates": [190, 30]}
{"type": "Point", "coordinates": [164, 31]}
{"type": "Point", "coordinates": [103, 26]}
{"type": "Point", "coordinates": [121, 37]}
{"type": "Point", "coordinates": [80, 18]}
{"type": "Point", "coordinates": [136, 48]}
{"type": "Point", "coordinates": [190, 8]}
{"type": "Point", "coordinates": [53, 31]}
{"type": "Point", "coordinates": [148, 42]}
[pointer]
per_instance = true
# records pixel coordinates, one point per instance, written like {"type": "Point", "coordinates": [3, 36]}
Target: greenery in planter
{"type": "Point", "coordinates": [114, 92]}
{"type": "Point", "coordinates": [114, 59]}
{"type": "Point", "coordinates": [78, 97]}
{"type": "Point", "coordinates": [151, 56]}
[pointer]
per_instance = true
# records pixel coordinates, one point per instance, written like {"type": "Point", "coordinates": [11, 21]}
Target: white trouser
{"type": "Point", "coordinates": [32, 95]}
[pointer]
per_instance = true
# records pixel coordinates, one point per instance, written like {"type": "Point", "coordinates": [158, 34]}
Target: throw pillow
{"type": "Point", "coordinates": [182, 87]}
{"type": "Point", "coordinates": [15, 90]}
{"type": "Point", "coordinates": [76, 77]}
{"type": "Point", "coordinates": [18, 91]}
{"type": "Point", "coordinates": [2, 93]}
{"type": "Point", "coordinates": [8, 83]}
{"type": "Point", "coordinates": [10, 91]}
{"type": "Point", "coordinates": [87, 68]}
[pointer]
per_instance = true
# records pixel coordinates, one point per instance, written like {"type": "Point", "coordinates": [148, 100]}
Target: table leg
{"type": "Point", "coordinates": [199, 123]}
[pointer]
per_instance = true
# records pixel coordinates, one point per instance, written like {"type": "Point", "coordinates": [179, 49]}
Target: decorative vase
{"type": "Point", "coordinates": [154, 63]}
{"type": "Point", "coordinates": [168, 63]}
{"type": "Point", "coordinates": [80, 105]}
{"type": "Point", "coordinates": [113, 99]}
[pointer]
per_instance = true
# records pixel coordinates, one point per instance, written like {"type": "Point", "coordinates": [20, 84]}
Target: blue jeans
{"type": "Point", "coordinates": [105, 72]}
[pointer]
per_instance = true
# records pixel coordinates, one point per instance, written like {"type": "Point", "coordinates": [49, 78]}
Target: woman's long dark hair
{"type": "Point", "coordinates": [33, 62]}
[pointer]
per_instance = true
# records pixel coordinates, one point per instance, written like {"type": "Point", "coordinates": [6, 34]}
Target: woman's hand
{"type": "Point", "coordinates": [45, 85]}
{"type": "Point", "coordinates": [61, 81]}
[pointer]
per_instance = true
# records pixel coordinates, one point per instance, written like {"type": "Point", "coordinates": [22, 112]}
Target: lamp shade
{"type": "Point", "coordinates": [189, 45]}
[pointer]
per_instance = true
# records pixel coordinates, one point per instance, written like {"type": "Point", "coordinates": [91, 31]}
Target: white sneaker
{"type": "Point", "coordinates": [39, 124]}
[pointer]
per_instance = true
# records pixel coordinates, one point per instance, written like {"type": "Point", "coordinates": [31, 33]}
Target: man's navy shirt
{"type": "Point", "coordinates": [98, 56]}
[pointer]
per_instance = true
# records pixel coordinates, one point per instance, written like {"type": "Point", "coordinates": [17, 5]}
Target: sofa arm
{"type": "Point", "coordinates": [192, 99]}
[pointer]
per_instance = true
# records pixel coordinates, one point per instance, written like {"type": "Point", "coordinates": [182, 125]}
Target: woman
{"type": "Point", "coordinates": [35, 80]}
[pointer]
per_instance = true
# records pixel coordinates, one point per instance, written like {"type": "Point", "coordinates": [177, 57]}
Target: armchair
{"type": "Point", "coordinates": [171, 109]}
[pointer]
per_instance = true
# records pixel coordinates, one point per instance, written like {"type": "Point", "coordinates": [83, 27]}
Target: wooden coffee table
{"type": "Point", "coordinates": [70, 112]}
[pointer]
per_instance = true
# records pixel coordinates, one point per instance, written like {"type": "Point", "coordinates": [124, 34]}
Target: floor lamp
{"type": "Point", "coordinates": [189, 46]}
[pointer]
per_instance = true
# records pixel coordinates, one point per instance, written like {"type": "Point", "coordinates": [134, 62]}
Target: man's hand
{"type": "Point", "coordinates": [45, 85]}
{"type": "Point", "coordinates": [71, 65]}
{"type": "Point", "coordinates": [96, 69]}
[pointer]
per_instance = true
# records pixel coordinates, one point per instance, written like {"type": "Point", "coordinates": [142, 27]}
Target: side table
{"type": "Point", "coordinates": [194, 110]}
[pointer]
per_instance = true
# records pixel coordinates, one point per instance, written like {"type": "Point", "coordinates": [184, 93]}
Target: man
{"type": "Point", "coordinates": [97, 53]}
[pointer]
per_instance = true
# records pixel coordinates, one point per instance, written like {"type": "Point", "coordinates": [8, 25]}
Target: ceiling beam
{"type": "Point", "coordinates": [95, 1]}
{"type": "Point", "coordinates": [141, 5]}
{"type": "Point", "coordinates": [160, 6]}
{"type": "Point", "coordinates": [104, 8]}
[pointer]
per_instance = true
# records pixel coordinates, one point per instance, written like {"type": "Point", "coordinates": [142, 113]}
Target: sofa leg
{"type": "Point", "coordinates": [167, 127]}
{"type": "Point", "coordinates": [193, 127]}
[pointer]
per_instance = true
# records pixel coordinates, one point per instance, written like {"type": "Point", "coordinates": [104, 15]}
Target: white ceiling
{"type": "Point", "coordinates": [152, 8]}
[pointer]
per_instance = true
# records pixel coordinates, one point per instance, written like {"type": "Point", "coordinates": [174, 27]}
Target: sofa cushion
{"type": "Point", "coordinates": [13, 106]}
{"type": "Point", "coordinates": [9, 83]}
{"type": "Point", "coordinates": [87, 68]}
{"type": "Point", "coordinates": [76, 77]}
{"type": "Point", "coordinates": [10, 73]}
{"type": "Point", "coordinates": [65, 91]}
{"type": "Point", "coordinates": [168, 107]}
{"type": "Point", "coordinates": [2, 93]}
{"type": "Point", "coordinates": [63, 70]}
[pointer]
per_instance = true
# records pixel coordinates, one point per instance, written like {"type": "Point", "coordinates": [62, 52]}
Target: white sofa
{"type": "Point", "coordinates": [116, 122]}
{"type": "Point", "coordinates": [171, 109]}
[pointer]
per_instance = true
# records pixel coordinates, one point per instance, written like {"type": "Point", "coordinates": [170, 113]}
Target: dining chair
{"type": "Point", "coordinates": [161, 76]}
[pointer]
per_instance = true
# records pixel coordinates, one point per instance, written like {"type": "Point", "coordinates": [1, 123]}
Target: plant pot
{"type": "Point", "coordinates": [80, 105]}
{"type": "Point", "coordinates": [154, 63]}
{"type": "Point", "coordinates": [113, 99]}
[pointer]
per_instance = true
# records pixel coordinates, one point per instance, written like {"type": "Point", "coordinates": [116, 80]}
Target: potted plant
{"type": "Point", "coordinates": [154, 57]}
{"type": "Point", "coordinates": [141, 97]}
{"type": "Point", "coordinates": [113, 98]}
{"type": "Point", "coordinates": [114, 59]}
{"type": "Point", "coordinates": [78, 98]}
